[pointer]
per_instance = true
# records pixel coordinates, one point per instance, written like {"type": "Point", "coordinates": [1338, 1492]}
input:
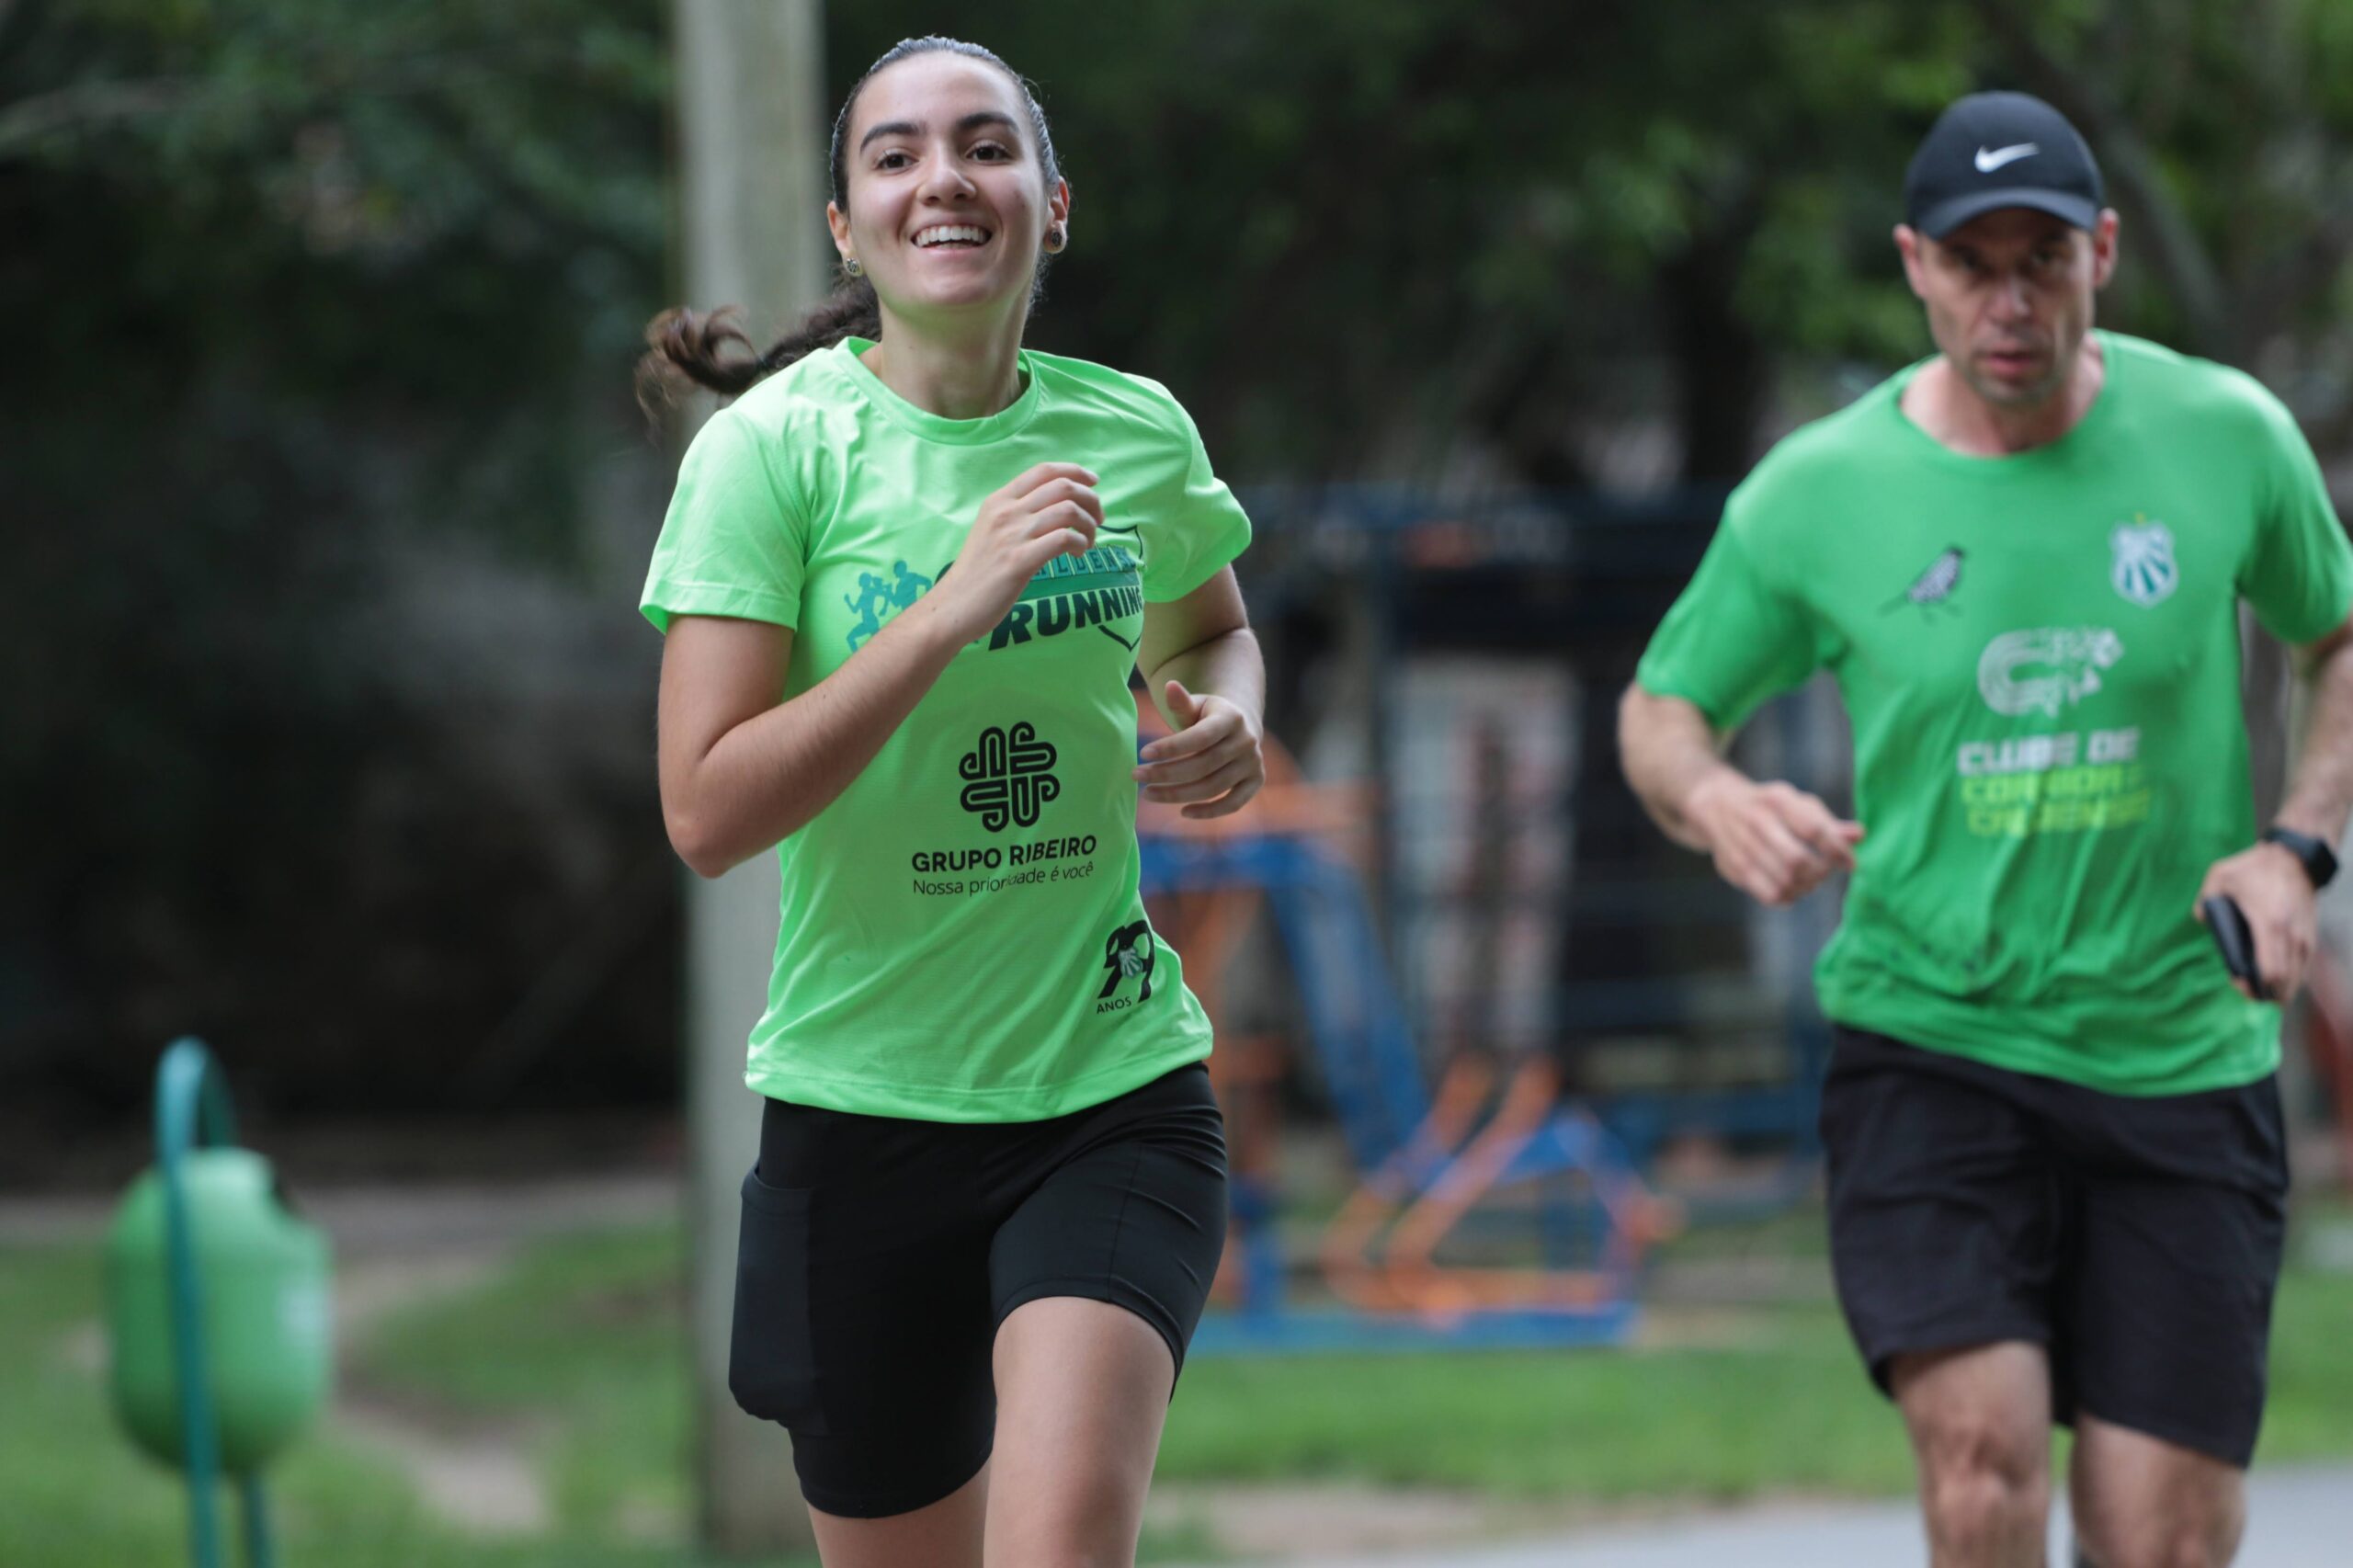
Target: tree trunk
{"type": "Point", "coordinates": [752, 143]}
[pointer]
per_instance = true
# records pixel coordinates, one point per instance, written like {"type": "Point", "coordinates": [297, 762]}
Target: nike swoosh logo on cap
{"type": "Point", "coordinates": [1988, 162]}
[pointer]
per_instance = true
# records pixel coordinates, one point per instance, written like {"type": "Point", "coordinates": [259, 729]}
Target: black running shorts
{"type": "Point", "coordinates": [878, 1255]}
{"type": "Point", "coordinates": [2139, 1240]}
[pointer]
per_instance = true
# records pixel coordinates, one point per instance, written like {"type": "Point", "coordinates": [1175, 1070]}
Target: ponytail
{"type": "Point", "coordinates": [688, 347]}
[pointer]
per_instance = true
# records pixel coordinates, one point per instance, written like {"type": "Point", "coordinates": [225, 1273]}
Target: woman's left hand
{"type": "Point", "coordinates": [1211, 764]}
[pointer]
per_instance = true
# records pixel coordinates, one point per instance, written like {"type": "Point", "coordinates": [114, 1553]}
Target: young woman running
{"type": "Point", "coordinates": [904, 581]}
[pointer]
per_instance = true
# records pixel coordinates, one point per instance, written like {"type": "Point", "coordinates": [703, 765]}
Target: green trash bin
{"type": "Point", "coordinates": [218, 1305]}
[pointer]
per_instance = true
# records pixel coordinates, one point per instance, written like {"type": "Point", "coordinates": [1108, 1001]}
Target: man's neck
{"type": "Point", "coordinates": [1944, 405]}
{"type": "Point", "coordinates": [956, 375]}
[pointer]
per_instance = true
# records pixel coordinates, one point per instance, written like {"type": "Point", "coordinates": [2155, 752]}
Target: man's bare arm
{"type": "Point", "coordinates": [1772, 841]}
{"type": "Point", "coordinates": [2267, 882]}
{"type": "Point", "coordinates": [1668, 750]}
{"type": "Point", "coordinates": [2319, 794]}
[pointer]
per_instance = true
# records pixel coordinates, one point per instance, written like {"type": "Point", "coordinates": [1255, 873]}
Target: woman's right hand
{"type": "Point", "coordinates": [1051, 510]}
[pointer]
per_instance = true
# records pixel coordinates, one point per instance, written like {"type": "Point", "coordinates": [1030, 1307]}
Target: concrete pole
{"type": "Point", "coordinates": [752, 130]}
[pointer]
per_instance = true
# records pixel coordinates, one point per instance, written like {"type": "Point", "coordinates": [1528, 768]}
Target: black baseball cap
{"type": "Point", "coordinates": [1993, 150]}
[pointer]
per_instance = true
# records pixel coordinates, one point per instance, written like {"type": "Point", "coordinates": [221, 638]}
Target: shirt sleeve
{"type": "Point", "coordinates": [1733, 639]}
{"type": "Point", "coordinates": [1204, 528]}
{"type": "Point", "coordinates": [730, 544]}
{"type": "Point", "coordinates": [2299, 576]}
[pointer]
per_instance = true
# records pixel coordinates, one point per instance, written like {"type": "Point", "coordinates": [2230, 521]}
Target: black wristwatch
{"type": "Point", "coordinates": [2317, 858]}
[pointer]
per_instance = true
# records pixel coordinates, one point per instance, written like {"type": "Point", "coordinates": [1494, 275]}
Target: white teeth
{"type": "Point", "coordinates": [947, 234]}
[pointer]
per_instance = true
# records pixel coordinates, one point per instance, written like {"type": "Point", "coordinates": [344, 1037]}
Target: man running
{"type": "Point", "coordinates": [2056, 1167]}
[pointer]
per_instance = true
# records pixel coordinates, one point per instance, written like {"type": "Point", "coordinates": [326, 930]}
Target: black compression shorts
{"type": "Point", "coordinates": [878, 1255]}
{"type": "Point", "coordinates": [2139, 1240]}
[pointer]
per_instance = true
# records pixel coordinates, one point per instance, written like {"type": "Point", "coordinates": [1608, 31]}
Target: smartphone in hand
{"type": "Point", "coordinates": [2227, 923]}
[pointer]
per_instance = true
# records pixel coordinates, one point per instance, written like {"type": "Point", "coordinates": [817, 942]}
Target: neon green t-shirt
{"type": "Point", "coordinates": [962, 938]}
{"type": "Point", "coordinates": [2039, 655]}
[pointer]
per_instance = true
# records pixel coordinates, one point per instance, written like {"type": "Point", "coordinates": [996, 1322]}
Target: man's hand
{"type": "Point", "coordinates": [2282, 912]}
{"type": "Point", "coordinates": [1774, 841]}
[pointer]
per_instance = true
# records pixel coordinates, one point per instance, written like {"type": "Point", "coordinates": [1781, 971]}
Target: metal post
{"type": "Point", "coordinates": [258, 1553]}
{"type": "Point", "coordinates": [192, 1111]}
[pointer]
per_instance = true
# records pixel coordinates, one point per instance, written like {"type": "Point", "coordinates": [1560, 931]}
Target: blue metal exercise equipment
{"type": "Point", "coordinates": [1425, 1163]}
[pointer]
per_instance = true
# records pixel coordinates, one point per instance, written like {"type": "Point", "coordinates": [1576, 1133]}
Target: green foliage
{"type": "Point", "coordinates": [312, 289]}
{"type": "Point", "coordinates": [315, 290]}
{"type": "Point", "coordinates": [1401, 224]}
{"type": "Point", "coordinates": [362, 215]}
{"type": "Point", "coordinates": [1364, 236]}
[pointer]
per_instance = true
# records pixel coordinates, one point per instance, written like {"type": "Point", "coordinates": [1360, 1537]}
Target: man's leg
{"type": "Point", "coordinates": [1946, 1223]}
{"type": "Point", "coordinates": [2181, 1233]}
{"type": "Point", "coordinates": [2141, 1502]}
{"type": "Point", "coordinates": [1980, 1420]}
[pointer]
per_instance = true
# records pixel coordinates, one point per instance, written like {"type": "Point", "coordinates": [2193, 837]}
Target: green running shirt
{"type": "Point", "coordinates": [2039, 655]}
{"type": "Point", "coordinates": [961, 935]}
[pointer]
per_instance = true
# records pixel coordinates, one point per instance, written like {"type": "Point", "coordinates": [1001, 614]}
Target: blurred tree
{"type": "Point", "coordinates": [291, 286]}
{"type": "Point", "coordinates": [307, 296]}
{"type": "Point", "coordinates": [1513, 243]}
{"type": "Point", "coordinates": [1377, 233]}
{"type": "Point", "coordinates": [2226, 134]}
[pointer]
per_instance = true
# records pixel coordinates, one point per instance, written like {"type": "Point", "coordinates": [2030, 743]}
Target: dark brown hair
{"type": "Point", "coordinates": [684, 346]}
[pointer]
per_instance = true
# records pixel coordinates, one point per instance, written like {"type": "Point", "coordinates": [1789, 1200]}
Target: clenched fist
{"type": "Point", "coordinates": [1774, 841]}
{"type": "Point", "coordinates": [1051, 510]}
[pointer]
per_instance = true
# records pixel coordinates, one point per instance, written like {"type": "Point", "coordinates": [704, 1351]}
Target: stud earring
{"type": "Point", "coordinates": [851, 265]}
{"type": "Point", "coordinates": [1055, 240]}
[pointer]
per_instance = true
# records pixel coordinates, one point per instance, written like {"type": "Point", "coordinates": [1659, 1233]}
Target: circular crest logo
{"type": "Point", "coordinates": [2144, 570]}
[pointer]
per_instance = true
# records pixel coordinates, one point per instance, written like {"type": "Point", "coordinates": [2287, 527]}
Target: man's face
{"type": "Point", "coordinates": [2009, 297]}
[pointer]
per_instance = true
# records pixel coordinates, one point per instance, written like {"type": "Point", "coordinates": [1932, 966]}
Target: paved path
{"type": "Point", "coordinates": [2302, 1517]}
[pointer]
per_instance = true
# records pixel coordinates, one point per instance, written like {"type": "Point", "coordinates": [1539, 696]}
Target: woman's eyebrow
{"type": "Point", "coordinates": [970, 122]}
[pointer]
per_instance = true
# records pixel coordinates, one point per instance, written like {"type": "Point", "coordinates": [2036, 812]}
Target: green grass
{"type": "Point", "coordinates": [75, 1494]}
{"type": "Point", "coordinates": [1786, 1408]}
{"type": "Point", "coordinates": [579, 1343]}
{"type": "Point", "coordinates": [1791, 1410]}
{"type": "Point", "coordinates": [584, 1333]}
{"type": "Point", "coordinates": [2310, 1415]}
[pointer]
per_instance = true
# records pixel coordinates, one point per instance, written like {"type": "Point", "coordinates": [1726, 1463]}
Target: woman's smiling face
{"type": "Point", "coordinates": [948, 204]}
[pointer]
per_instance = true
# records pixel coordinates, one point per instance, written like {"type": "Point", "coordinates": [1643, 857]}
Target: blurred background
{"type": "Point", "coordinates": [328, 720]}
